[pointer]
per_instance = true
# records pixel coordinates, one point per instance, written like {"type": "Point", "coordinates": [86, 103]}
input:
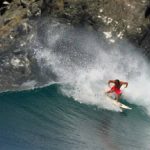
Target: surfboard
{"type": "Point", "coordinates": [119, 104]}
{"type": "Point", "coordinates": [123, 106]}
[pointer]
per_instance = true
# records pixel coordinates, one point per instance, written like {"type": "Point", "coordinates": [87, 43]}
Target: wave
{"type": "Point", "coordinates": [81, 58]}
{"type": "Point", "coordinates": [59, 89]}
{"type": "Point", "coordinates": [81, 61]}
{"type": "Point", "coordinates": [44, 118]}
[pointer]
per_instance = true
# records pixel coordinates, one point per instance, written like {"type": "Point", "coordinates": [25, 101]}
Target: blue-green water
{"type": "Point", "coordinates": [44, 119]}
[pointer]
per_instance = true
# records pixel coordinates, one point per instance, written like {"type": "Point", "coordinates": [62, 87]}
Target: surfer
{"type": "Point", "coordinates": [116, 88]}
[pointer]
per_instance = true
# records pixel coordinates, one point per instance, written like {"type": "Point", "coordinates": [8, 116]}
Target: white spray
{"type": "Point", "coordinates": [86, 67]}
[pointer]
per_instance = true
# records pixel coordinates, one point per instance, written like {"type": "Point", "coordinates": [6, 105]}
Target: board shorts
{"type": "Point", "coordinates": [116, 90]}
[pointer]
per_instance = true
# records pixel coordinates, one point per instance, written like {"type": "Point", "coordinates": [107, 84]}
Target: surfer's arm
{"type": "Point", "coordinates": [124, 83]}
{"type": "Point", "coordinates": [110, 81]}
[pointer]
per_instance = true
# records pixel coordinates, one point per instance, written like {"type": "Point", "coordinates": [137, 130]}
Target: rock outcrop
{"type": "Point", "coordinates": [113, 20]}
{"type": "Point", "coordinates": [117, 19]}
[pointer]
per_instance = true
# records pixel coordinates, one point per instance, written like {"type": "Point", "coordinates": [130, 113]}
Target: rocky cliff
{"type": "Point", "coordinates": [113, 20]}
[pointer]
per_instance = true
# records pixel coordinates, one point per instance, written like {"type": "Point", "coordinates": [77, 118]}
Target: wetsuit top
{"type": "Point", "coordinates": [116, 88]}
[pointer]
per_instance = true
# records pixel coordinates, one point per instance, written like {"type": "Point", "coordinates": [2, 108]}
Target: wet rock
{"type": "Point", "coordinates": [24, 27]}
{"type": "Point", "coordinates": [4, 5]}
{"type": "Point", "coordinates": [17, 15]}
{"type": "Point", "coordinates": [25, 3]}
{"type": "Point", "coordinates": [113, 20]}
{"type": "Point", "coordinates": [35, 10]}
{"type": "Point", "coordinates": [11, 22]}
{"type": "Point", "coordinates": [121, 19]}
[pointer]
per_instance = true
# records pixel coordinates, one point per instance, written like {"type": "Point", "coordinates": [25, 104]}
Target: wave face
{"type": "Point", "coordinates": [75, 114]}
{"type": "Point", "coordinates": [81, 60]}
{"type": "Point", "coordinates": [44, 119]}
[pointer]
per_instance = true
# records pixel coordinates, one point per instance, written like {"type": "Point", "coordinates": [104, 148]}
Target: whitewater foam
{"type": "Point", "coordinates": [79, 59]}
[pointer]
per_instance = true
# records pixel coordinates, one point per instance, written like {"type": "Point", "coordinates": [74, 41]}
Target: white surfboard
{"type": "Point", "coordinates": [119, 104]}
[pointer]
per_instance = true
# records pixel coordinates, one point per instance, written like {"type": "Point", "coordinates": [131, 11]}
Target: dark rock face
{"type": "Point", "coordinates": [14, 68]}
{"type": "Point", "coordinates": [117, 19]}
{"type": "Point", "coordinates": [114, 20]}
{"type": "Point", "coordinates": [120, 19]}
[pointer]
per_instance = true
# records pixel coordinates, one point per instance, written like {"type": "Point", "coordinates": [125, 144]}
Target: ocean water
{"type": "Point", "coordinates": [44, 119]}
{"type": "Point", "coordinates": [69, 111]}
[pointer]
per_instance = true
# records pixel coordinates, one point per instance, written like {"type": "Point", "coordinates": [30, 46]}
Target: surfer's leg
{"type": "Point", "coordinates": [118, 97]}
{"type": "Point", "coordinates": [109, 91]}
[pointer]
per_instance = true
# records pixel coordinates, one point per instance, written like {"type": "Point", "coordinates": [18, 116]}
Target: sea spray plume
{"type": "Point", "coordinates": [83, 63]}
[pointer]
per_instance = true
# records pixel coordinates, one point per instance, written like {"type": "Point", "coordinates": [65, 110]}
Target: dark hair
{"type": "Point", "coordinates": [117, 83]}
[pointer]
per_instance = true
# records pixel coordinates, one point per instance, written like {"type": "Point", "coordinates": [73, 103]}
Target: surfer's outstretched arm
{"type": "Point", "coordinates": [110, 90]}
{"type": "Point", "coordinates": [110, 81]}
{"type": "Point", "coordinates": [124, 83]}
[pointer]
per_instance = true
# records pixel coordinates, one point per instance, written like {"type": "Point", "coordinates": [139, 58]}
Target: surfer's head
{"type": "Point", "coordinates": [117, 83]}
{"type": "Point", "coordinates": [117, 80]}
